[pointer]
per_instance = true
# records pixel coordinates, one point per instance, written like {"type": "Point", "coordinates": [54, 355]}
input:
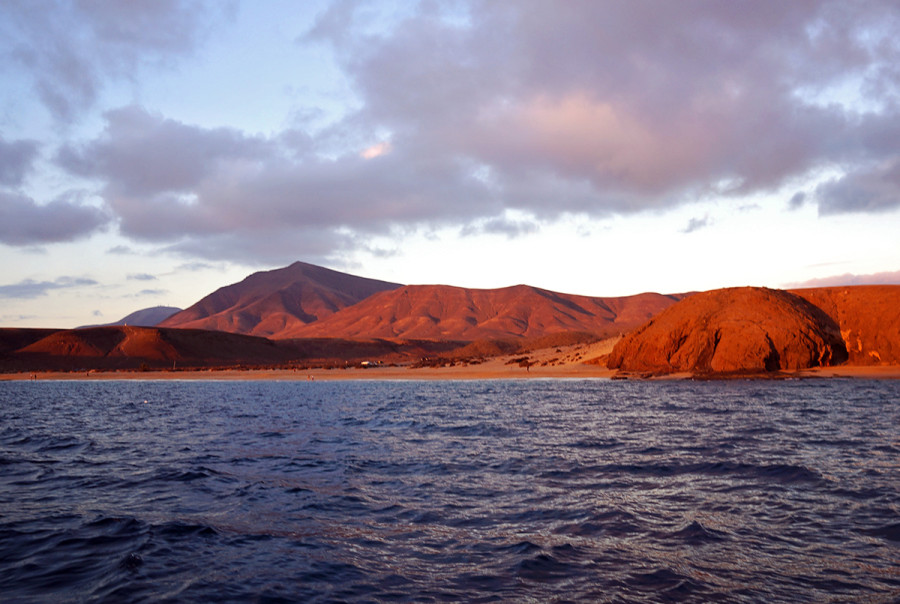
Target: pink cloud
{"type": "Point", "coordinates": [883, 278]}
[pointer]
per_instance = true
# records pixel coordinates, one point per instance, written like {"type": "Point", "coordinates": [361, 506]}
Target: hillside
{"type": "Point", "coordinates": [121, 347]}
{"type": "Point", "coordinates": [444, 312]}
{"type": "Point", "coordinates": [277, 302]}
{"type": "Point", "coordinates": [755, 329]}
{"type": "Point", "coordinates": [868, 317]}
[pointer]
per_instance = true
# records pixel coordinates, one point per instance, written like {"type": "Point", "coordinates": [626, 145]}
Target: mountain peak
{"type": "Point", "coordinates": [270, 303]}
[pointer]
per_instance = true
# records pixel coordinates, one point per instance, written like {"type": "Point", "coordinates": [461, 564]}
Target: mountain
{"type": "Point", "coordinates": [754, 329]}
{"type": "Point", "coordinates": [277, 302]}
{"type": "Point", "coordinates": [444, 312]}
{"type": "Point", "coordinates": [148, 317]}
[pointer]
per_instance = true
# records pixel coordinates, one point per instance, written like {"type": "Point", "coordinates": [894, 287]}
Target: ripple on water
{"type": "Point", "coordinates": [449, 491]}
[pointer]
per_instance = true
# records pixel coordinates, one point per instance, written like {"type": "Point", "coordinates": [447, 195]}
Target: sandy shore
{"type": "Point", "coordinates": [571, 362]}
{"type": "Point", "coordinates": [475, 372]}
{"type": "Point", "coordinates": [563, 362]}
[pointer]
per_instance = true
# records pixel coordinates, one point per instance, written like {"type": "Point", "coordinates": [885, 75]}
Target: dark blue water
{"type": "Point", "coordinates": [450, 491]}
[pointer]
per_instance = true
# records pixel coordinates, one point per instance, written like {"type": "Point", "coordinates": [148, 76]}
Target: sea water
{"type": "Point", "coordinates": [475, 491]}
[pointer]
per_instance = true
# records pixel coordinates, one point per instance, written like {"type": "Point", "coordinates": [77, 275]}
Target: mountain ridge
{"type": "Point", "coordinates": [267, 303]}
{"type": "Point", "coordinates": [304, 300]}
{"type": "Point", "coordinates": [518, 311]}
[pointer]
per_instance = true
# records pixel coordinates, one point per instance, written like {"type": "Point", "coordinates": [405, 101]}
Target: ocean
{"type": "Point", "coordinates": [450, 491]}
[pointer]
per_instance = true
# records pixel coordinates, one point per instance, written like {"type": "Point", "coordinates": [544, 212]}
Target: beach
{"type": "Point", "coordinates": [581, 361]}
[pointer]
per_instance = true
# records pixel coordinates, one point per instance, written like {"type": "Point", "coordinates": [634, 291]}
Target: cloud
{"type": "Point", "coordinates": [24, 222]}
{"type": "Point", "coordinates": [867, 190]}
{"type": "Point", "coordinates": [883, 278]}
{"type": "Point", "coordinates": [695, 224]}
{"type": "Point", "coordinates": [72, 49]}
{"type": "Point", "coordinates": [502, 225]}
{"type": "Point", "coordinates": [195, 266]}
{"type": "Point", "coordinates": [28, 288]}
{"type": "Point", "coordinates": [217, 192]}
{"type": "Point", "coordinates": [797, 200]}
{"type": "Point", "coordinates": [141, 277]}
{"type": "Point", "coordinates": [647, 105]}
{"type": "Point", "coordinates": [16, 158]}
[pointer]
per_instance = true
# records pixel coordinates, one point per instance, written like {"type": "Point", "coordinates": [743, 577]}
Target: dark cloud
{"type": "Point", "coordinates": [867, 190]}
{"type": "Point", "coordinates": [469, 109]}
{"type": "Point", "coordinates": [28, 288]}
{"type": "Point", "coordinates": [695, 224]}
{"type": "Point", "coordinates": [512, 228]}
{"type": "Point", "coordinates": [16, 158]}
{"type": "Point", "coordinates": [71, 48]}
{"type": "Point", "coordinates": [24, 222]}
{"type": "Point", "coordinates": [797, 200]}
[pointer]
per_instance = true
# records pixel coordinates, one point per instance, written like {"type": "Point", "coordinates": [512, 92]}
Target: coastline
{"type": "Point", "coordinates": [486, 371]}
{"type": "Point", "coordinates": [579, 361]}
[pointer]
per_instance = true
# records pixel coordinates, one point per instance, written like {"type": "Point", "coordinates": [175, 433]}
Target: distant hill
{"type": "Point", "coordinates": [521, 311]}
{"type": "Point", "coordinates": [277, 302]}
{"type": "Point", "coordinates": [146, 317]}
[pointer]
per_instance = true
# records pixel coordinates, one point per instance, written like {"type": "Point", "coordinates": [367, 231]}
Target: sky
{"type": "Point", "coordinates": [153, 151]}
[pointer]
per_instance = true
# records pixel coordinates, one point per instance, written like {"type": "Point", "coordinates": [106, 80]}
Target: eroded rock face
{"type": "Point", "coordinates": [747, 329]}
{"type": "Point", "coordinates": [869, 320]}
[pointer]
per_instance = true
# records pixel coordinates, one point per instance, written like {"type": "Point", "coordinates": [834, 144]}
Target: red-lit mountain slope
{"type": "Point", "coordinates": [271, 303]}
{"type": "Point", "coordinates": [445, 312]}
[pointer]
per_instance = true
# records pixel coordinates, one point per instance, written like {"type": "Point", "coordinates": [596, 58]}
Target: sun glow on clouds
{"type": "Point", "coordinates": [376, 150]}
{"type": "Point", "coordinates": [664, 146]}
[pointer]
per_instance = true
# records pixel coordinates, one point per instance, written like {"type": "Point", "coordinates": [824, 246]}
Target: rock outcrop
{"type": "Point", "coordinates": [868, 317]}
{"type": "Point", "coordinates": [735, 330]}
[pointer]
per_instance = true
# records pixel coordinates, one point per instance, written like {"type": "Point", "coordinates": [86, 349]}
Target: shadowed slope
{"type": "Point", "coordinates": [113, 347]}
{"type": "Point", "coordinates": [119, 347]}
{"type": "Point", "coordinates": [14, 338]}
{"type": "Point", "coordinates": [748, 329]}
{"type": "Point", "coordinates": [445, 312]}
{"type": "Point", "coordinates": [273, 303]}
